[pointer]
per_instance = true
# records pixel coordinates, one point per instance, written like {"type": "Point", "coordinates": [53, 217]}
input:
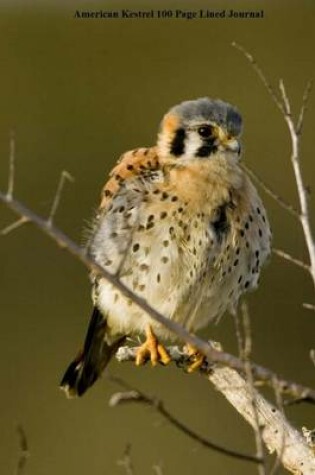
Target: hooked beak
{"type": "Point", "coordinates": [231, 145]}
{"type": "Point", "coordinates": [226, 143]}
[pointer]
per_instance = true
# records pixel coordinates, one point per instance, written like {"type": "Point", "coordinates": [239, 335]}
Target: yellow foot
{"type": "Point", "coordinates": [153, 350]}
{"type": "Point", "coordinates": [196, 357]}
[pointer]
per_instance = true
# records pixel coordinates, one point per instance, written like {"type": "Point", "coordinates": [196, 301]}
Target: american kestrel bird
{"type": "Point", "coordinates": [183, 227]}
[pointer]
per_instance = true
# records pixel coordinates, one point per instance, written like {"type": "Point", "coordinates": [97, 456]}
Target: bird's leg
{"type": "Point", "coordinates": [153, 349]}
{"type": "Point", "coordinates": [196, 357]}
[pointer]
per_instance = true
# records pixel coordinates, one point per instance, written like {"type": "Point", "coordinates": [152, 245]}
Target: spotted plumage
{"type": "Point", "coordinates": [183, 227]}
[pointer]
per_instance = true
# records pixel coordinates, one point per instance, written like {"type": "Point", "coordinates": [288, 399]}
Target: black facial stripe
{"type": "Point", "coordinates": [206, 149]}
{"type": "Point", "coordinates": [178, 143]}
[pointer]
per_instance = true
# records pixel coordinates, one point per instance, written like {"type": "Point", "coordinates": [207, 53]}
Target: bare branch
{"type": "Point", "coordinates": [260, 73]}
{"type": "Point", "coordinates": [11, 166]}
{"type": "Point", "coordinates": [23, 450]}
{"type": "Point", "coordinates": [279, 402]}
{"type": "Point", "coordinates": [305, 99]}
{"type": "Point", "coordinates": [13, 226]}
{"type": "Point", "coordinates": [157, 469]}
{"type": "Point", "coordinates": [296, 454]}
{"type": "Point", "coordinates": [281, 202]}
{"type": "Point", "coordinates": [309, 306]}
{"type": "Point", "coordinates": [238, 333]}
{"type": "Point", "coordinates": [304, 215]}
{"type": "Point", "coordinates": [285, 98]}
{"type": "Point", "coordinates": [293, 260]}
{"type": "Point", "coordinates": [312, 356]}
{"type": "Point", "coordinates": [63, 178]}
{"type": "Point", "coordinates": [295, 132]}
{"type": "Point", "coordinates": [132, 395]}
{"type": "Point", "coordinates": [126, 461]}
{"type": "Point", "coordinates": [246, 357]}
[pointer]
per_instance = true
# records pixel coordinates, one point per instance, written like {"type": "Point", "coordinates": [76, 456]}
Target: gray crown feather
{"type": "Point", "coordinates": [213, 110]}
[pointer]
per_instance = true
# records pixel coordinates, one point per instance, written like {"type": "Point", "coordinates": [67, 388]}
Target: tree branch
{"type": "Point", "coordinates": [23, 450]}
{"type": "Point", "coordinates": [132, 395]}
{"type": "Point", "coordinates": [293, 260]}
{"type": "Point", "coordinates": [278, 435]}
{"type": "Point", "coordinates": [295, 160]}
{"type": "Point", "coordinates": [278, 199]}
{"type": "Point", "coordinates": [126, 461]}
{"type": "Point", "coordinates": [295, 130]}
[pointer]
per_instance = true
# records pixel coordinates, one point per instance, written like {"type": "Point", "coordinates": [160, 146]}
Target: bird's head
{"type": "Point", "coordinates": [200, 129]}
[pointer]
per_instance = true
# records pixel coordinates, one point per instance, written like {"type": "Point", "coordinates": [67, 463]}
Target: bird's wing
{"type": "Point", "coordinates": [123, 210]}
{"type": "Point", "coordinates": [131, 165]}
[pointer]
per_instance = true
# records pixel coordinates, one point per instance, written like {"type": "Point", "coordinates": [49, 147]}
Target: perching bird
{"type": "Point", "coordinates": [183, 227]}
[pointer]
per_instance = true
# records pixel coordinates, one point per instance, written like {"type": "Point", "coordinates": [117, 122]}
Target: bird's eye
{"type": "Point", "coordinates": [205, 131]}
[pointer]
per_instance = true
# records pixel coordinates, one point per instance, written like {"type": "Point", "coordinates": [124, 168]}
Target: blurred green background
{"type": "Point", "coordinates": [77, 94]}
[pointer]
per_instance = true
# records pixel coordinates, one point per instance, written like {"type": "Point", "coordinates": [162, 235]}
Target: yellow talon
{"type": "Point", "coordinates": [196, 357]}
{"type": "Point", "coordinates": [164, 356]}
{"type": "Point", "coordinates": [152, 349]}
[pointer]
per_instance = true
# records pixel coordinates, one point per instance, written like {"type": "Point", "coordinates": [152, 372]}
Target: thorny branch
{"type": "Point", "coordinates": [132, 395]}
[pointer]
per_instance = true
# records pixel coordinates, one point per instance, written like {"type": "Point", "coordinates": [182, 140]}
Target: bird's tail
{"type": "Point", "coordinates": [88, 365]}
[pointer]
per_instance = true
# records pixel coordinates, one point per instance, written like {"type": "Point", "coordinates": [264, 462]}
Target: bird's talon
{"type": "Point", "coordinates": [152, 350]}
{"type": "Point", "coordinates": [196, 357]}
{"type": "Point", "coordinates": [164, 356]}
{"type": "Point", "coordinates": [197, 363]}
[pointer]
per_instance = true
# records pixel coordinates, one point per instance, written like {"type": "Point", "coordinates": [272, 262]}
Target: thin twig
{"type": "Point", "coordinates": [305, 99]}
{"type": "Point", "coordinates": [304, 215]}
{"type": "Point", "coordinates": [238, 333]}
{"type": "Point", "coordinates": [62, 180]}
{"type": "Point", "coordinates": [281, 202]}
{"type": "Point", "coordinates": [132, 395]}
{"type": "Point", "coordinates": [260, 73]}
{"type": "Point", "coordinates": [214, 355]}
{"type": "Point", "coordinates": [126, 461]}
{"type": "Point", "coordinates": [293, 260]}
{"type": "Point", "coordinates": [312, 356]}
{"type": "Point", "coordinates": [295, 132]}
{"type": "Point", "coordinates": [157, 469]}
{"type": "Point", "coordinates": [11, 167]}
{"type": "Point", "coordinates": [285, 98]}
{"type": "Point", "coordinates": [13, 226]}
{"type": "Point", "coordinates": [246, 354]}
{"type": "Point", "coordinates": [23, 450]}
{"type": "Point", "coordinates": [309, 306]}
